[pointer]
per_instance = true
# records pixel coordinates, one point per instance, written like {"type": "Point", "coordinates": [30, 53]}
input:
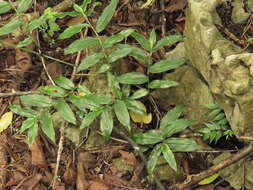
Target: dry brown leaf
{"type": "Point", "coordinates": [38, 157]}
{"type": "Point", "coordinates": [129, 157]}
{"type": "Point", "coordinates": [81, 179]}
{"type": "Point", "coordinates": [54, 69]}
{"type": "Point", "coordinates": [3, 165]}
{"type": "Point", "coordinates": [115, 180]}
{"type": "Point", "coordinates": [23, 60]}
{"type": "Point", "coordinates": [206, 187]}
{"type": "Point", "coordinates": [70, 174]}
{"type": "Point", "coordinates": [98, 185]}
{"type": "Point", "coordinates": [75, 20]}
{"type": "Point", "coordinates": [176, 5]}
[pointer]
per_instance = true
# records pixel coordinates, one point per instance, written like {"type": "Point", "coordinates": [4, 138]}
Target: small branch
{"type": "Point", "coordinates": [60, 148]}
{"type": "Point", "coordinates": [162, 5]}
{"type": "Point", "coordinates": [143, 158]}
{"type": "Point", "coordinates": [193, 179]}
{"type": "Point", "coordinates": [6, 94]}
{"type": "Point", "coordinates": [63, 5]}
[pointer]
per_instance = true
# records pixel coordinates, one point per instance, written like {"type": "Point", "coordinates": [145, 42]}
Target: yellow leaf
{"type": "Point", "coordinates": [82, 93]}
{"type": "Point", "coordinates": [209, 180]}
{"type": "Point", "coordinates": [147, 4]}
{"type": "Point", "coordinates": [141, 118]}
{"type": "Point", "coordinates": [5, 121]}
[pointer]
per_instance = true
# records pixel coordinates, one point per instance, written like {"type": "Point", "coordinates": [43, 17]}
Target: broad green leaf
{"type": "Point", "coordinates": [214, 112]}
{"type": "Point", "coordinates": [51, 90]}
{"type": "Point", "coordinates": [139, 93]}
{"type": "Point", "coordinates": [24, 5]}
{"type": "Point", "coordinates": [223, 122]}
{"type": "Point", "coordinates": [25, 112]}
{"type": "Point", "coordinates": [90, 61]}
{"type": "Point", "coordinates": [143, 41]}
{"type": "Point", "coordinates": [117, 37]}
{"type": "Point", "coordinates": [126, 90]}
{"type": "Point", "coordinates": [219, 117]}
{"type": "Point", "coordinates": [72, 30]}
{"type": "Point", "coordinates": [118, 54]}
{"type": "Point", "coordinates": [78, 8]}
{"type": "Point", "coordinates": [114, 85]}
{"type": "Point", "coordinates": [211, 106]}
{"type": "Point", "coordinates": [36, 23]}
{"type": "Point", "coordinates": [11, 26]}
{"type": "Point", "coordinates": [97, 98]}
{"type": "Point", "coordinates": [209, 179]}
{"type": "Point", "coordinates": [83, 88]}
{"type": "Point", "coordinates": [132, 78]}
{"type": "Point", "coordinates": [168, 40]}
{"type": "Point", "coordinates": [64, 83]}
{"type": "Point", "coordinates": [103, 68]}
{"type": "Point", "coordinates": [81, 103]}
{"type": "Point", "coordinates": [150, 137]}
{"type": "Point", "coordinates": [136, 52]}
{"type": "Point", "coordinates": [152, 38]}
{"type": "Point", "coordinates": [36, 100]}
{"type": "Point", "coordinates": [182, 144]}
{"type": "Point", "coordinates": [162, 84]}
{"type": "Point", "coordinates": [81, 44]}
{"type": "Point", "coordinates": [32, 133]}
{"type": "Point", "coordinates": [166, 64]}
{"type": "Point", "coordinates": [47, 125]}
{"type": "Point", "coordinates": [169, 156]}
{"type": "Point", "coordinates": [106, 16]}
{"type": "Point", "coordinates": [171, 116]}
{"type": "Point", "coordinates": [4, 7]}
{"type": "Point", "coordinates": [175, 127]}
{"type": "Point", "coordinates": [25, 42]}
{"type": "Point", "coordinates": [106, 124]}
{"type": "Point", "coordinates": [5, 120]}
{"type": "Point", "coordinates": [135, 106]}
{"type": "Point", "coordinates": [28, 123]}
{"type": "Point", "coordinates": [65, 111]}
{"type": "Point", "coordinates": [90, 117]}
{"type": "Point", "coordinates": [152, 160]}
{"type": "Point", "coordinates": [122, 114]}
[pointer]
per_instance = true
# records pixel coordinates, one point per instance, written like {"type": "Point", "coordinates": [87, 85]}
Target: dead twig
{"type": "Point", "coordinates": [18, 93]}
{"type": "Point", "coordinates": [193, 179]}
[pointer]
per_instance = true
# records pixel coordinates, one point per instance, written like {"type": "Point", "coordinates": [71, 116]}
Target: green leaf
{"type": "Point", "coordinates": [132, 78]}
{"type": "Point", "coordinates": [214, 112]}
{"type": "Point", "coordinates": [136, 52]}
{"type": "Point", "coordinates": [176, 127]}
{"type": "Point", "coordinates": [209, 179]}
{"type": "Point", "coordinates": [166, 64]}
{"type": "Point", "coordinates": [152, 38]}
{"type": "Point", "coordinates": [24, 5]}
{"type": "Point", "coordinates": [36, 23]}
{"type": "Point", "coordinates": [117, 37]}
{"type": "Point", "coordinates": [90, 117]}
{"type": "Point", "coordinates": [114, 85]}
{"type": "Point", "coordinates": [169, 156]}
{"type": "Point", "coordinates": [97, 98]}
{"type": "Point", "coordinates": [126, 90]}
{"type": "Point", "coordinates": [90, 61]}
{"type": "Point", "coordinates": [32, 133]}
{"type": "Point", "coordinates": [152, 160]}
{"type": "Point", "coordinates": [65, 111]}
{"type": "Point", "coordinates": [64, 83]}
{"type": "Point", "coordinates": [28, 123]}
{"type": "Point", "coordinates": [219, 117]}
{"type": "Point", "coordinates": [182, 144]}
{"type": "Point", "coordinates": [4, 7]}
{"type": "Point", "coordinates": [143, 41]}
{"type": "Point", "coordinates": [106, 16]}
{"type": "Point", "coordinates": [118, 54]}
{"type": "Point", "coordinates": [171, 116]}
{"type": "Point", "coordinates": [139, 93]}
{"type": "Point", "coordinates": [47, 125]}
{"type": "Point", "coordinates": [135, 106]}
{"type": "Point", "coordinates": [78, 8]}
{"type": "Point", "coordinates": [212, 106]}
{"type": "Point", "coordinates": [150, 137]}
{"type": "Point", "coordinates": [106, 124]}
{"type": "Point", "coordinates": [51, 90]}
{"type": "Point", "coordinates": [103, 68]}
{"type": "Point", "coordinates": [83, 88]}
{"type": "Point", "coordinates": [81, 103]}
{"type": "Point", "coordinates": [25, 42]}
{"type": "Point", "coordinates": [122, 114]}
{"type": "Point", "coordinates": [81, 44]}
{"type": "Point", "coordinates": [11, 26]}
{"type": "Point", "coordinates": [162, 84]}
{"type": "Point", "coordinates": [168, 40]}
{"type": "Point", "coordinates": [72, 30]}
{"type": "Point", "coordinates": [25, 112]}
{"type": "Point", "coordinates": [36, 100]}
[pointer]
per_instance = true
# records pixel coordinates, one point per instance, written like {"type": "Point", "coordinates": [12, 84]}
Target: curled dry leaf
{"type": "Point", "coordinates": [5, 121]}
{"type": "Point", "coordinates": [38, 156]}
{"type": "Point", "coordinates": [129, 157]}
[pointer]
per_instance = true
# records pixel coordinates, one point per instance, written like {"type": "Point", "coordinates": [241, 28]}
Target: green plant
{"type": "Point", "coordinates": [162, 141]}
{"type": "Point", "coordinates": [76, 104]}
{"type": "Point", "coordinates": [217, 127]}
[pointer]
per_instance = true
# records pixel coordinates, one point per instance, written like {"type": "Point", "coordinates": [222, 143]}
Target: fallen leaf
{"type": "Point", "coordinates": [98, 185]}
{"type": "Point", "coordinates": [206, 187]}
{"type": "Point", "coordinates": [209, 179]}
{"type": "Point", "coordinates": [75, 20]}
{"type": "Point", "coordinates": [5, 121]}
{"type": "Point", "coordinates": [129, 157]}
{"type": "Point", "coordinates": [176, 5]}
{"type": "Point", "coordinates": [38, 156]}
{"type": "Point", "coordinates": [141, 118]}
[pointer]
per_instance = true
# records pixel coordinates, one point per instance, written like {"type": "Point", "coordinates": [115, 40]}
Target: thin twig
{"type": "Point", "coordinates": [136, 147]}
{"type": "Point", "coordinates": [18, 93]}
{"type": "Point", "coordinates": [193, 179]}
{"type": "Point", "coordinates": [60, 148]}
{"type": "Point", "coordinates": [162, 5]}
